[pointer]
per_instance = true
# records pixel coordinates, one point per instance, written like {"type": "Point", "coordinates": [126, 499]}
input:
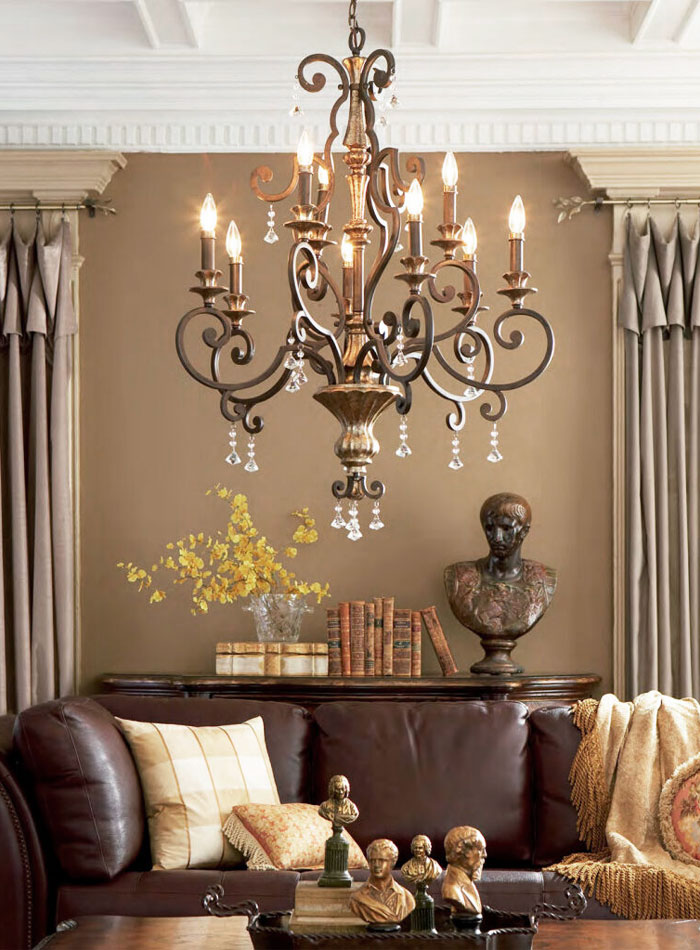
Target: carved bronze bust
{"type": "Point", "coordinates": [382, 902]}
{"type": "Point", "coordinates": [501, 596]}
{"type": "Point", "coordinates": [465, 850]}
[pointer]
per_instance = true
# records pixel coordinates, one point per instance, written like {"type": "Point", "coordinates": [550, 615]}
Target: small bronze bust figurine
{"type": "Point", "coordinates": [421, 870]}
{"type": "Point", "coordinates": [340, 811]}
{"type": "Point", "coordinates": [381, 901]}
{"type": "Point", "coordinates": [501, 596]}
{"type": "Point", "coordinates": [465, 850]}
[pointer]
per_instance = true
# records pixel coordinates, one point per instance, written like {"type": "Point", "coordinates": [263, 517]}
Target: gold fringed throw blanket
{"type": "Point", "coordinates": [636, 787]}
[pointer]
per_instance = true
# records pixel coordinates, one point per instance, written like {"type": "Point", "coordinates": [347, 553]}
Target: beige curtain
{"type": "Point", "coordinates": [36, 581]}
{"type": "Point", "coordinates": [660, 316]}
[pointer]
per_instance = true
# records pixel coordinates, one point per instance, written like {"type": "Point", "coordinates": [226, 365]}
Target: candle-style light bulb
{"type": "Point", "coordinates": [305, 150]}
{"type": "Point", "coordinates": [234, 244]}
{"type": "Point", "coordinates": [469, 241]}
{"type": "Point", "coordinates": [414, 199]}
{"type": "Point", "coordinates": [516, 218]}
{"type": "Point", "coordinates": [450, 173]}
{"type": "Point", "coordinates": [207, 216]}
{"type": "Point", "coordinates": [324, 178]}
{"type": "Point", "coordinates": [346, 250]}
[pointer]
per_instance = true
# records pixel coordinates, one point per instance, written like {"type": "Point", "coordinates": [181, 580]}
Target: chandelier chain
{"type": "Point", "coordinates": [357, 35]}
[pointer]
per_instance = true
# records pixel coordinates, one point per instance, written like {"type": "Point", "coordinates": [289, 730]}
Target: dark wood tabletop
{"type": "Point", "coordinates": [178, 933]}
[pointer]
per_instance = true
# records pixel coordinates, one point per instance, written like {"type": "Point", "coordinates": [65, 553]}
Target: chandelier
{"type": "Point", "coordinates": [366, 364]}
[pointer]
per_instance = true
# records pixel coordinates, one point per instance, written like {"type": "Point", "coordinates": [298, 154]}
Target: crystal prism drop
{"type": "Point", "coordinates": [456, 462]}
{"type": "Point", "coordinates": [271, 236]}
{"type": "Point", "coordinates": [353, 524]}
{"type": "Point", "coordinates": [494, 455]}
{"type": "Point", "coordinates": [251, 465]}
{"type": "Point", "coordinates": [376, 523]}
{"type": "Point", "coordinates": [338, 521]}
{"type": "Point", "coordinates": [403, 450]}
{"type": "Point", "coordinates": [233, 458]}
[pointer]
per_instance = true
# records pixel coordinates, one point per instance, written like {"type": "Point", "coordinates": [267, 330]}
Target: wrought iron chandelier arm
{"type": "Point", "coordinates": [389, 236]}
{"type": "Point", "coordinates": [241, 357]}
{"type": "Point", "coordinates": [485, 409]}
{"type": "Point", "coordinates": [264, 174]}
{"type": "Point", "coordinates": [377, 344]}
{"type": "Point", "coordinates": [326, 281]}
{"type": "Point", "coordinates": [448, 293]}
{"type": "Point", "coordinates": [309, 267]}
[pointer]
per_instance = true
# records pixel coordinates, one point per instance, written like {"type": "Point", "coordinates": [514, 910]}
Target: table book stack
{"type": "Point", "coordinates": [245, 658]}
{"type": "Point", "coordinates": [376, 638]}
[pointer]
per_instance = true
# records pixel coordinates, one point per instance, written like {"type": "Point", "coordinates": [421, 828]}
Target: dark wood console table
{"type": "Point", "coordinates": [309, 691]}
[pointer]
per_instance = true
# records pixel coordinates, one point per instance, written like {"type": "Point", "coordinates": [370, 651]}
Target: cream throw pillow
{"type": "Point", "coordinates": [192, 776]}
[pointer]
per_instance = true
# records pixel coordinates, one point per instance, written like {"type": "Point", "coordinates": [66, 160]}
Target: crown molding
{"type": "Point", "coordinates": [497, 132]}
{"type": "Point", "coordinates": [642, 172]}
{"type": "Point", "coordinates": [57, 174]}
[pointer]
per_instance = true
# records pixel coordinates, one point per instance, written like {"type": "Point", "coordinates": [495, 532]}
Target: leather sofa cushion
{"type": "Point", "coordinates": [555, 740]}
{"type": "Point", "coordinates": [175, 893]}
{"type": "Point", "coordinates": [425, 767]}
{"type": "Point", "coordinates": [85, 784]}
{"type": "Point", "coordinates": [287, 729]}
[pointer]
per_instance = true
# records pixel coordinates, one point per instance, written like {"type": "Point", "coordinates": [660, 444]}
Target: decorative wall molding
{"type": "Point", "coordinates": [642, 172]}
{"type": "Point", "coordinates": [57, 174]}
{"type": "Point", "coordinates": [497, 132]}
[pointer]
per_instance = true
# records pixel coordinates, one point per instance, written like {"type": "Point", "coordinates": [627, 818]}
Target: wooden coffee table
{"type": "Point", "coordinates": [189, 933]}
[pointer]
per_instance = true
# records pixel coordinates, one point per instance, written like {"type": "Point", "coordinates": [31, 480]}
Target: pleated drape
{"type": "Point", "coordinates": [660, 315]}
{"type": "Point", "coordinates": [37, 649]}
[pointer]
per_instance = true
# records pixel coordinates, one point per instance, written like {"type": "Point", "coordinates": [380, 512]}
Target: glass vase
{"type": "Point", "coordinates": [277, 616]}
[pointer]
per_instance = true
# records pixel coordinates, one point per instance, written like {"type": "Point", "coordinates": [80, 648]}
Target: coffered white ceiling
{"type": "Point", "coordinates": [194, 75]}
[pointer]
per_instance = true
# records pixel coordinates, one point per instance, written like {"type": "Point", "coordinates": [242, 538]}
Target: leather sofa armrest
{"type": "Point", "coordinates": [23, 878]}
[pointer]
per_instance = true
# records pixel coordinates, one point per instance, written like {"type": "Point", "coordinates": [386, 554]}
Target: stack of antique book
{"type": "Point", "coordinates": [376, 638]}
{"type": "Point", "coordinates": [271, 659]}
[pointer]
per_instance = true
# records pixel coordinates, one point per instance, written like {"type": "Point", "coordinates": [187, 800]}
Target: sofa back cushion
{"type": "Point", "coordinates": [85, 784]}
{"type": "Point", "coordinates": [422, 768]}
{"type": "Point", "coordinates": [287, 729]}
{"type": "Point", "coordinates": [555, 740]}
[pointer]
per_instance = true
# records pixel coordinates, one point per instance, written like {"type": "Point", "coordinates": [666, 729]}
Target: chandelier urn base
{"type": "Point", "coordinates": [356, 406]}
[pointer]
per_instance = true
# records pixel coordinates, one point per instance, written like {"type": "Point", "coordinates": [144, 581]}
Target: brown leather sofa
{"type": "Point", "coordinates": [74, 839]}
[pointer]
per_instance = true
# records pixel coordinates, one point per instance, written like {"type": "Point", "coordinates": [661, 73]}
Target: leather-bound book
{"type": "Point", "coordinates": [335, 665]}
{"type": "Point", "coordinates": [388, 636]}
{"type": "Point", "coordinates": [369, 639]}
{"type": "Point", "coordinates": [378, 634]}
{"type": "Point", "coordinates": [357, 638]}
{"type": "Point", "coordinates": [439, 641]}
{"type": "Point", "coordinates": [402, 642]}
{"type": "Point", "coordinates": [344, 612]}
{"type": "Point", "coordinates": [416, 630]}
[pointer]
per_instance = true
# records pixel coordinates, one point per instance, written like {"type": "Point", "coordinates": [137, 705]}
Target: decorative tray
{"type": "Point", "coordinates": [499, 930]}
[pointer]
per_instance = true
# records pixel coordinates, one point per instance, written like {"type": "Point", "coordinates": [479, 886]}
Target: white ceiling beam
{"type": "Point", "coordinates": [642, 15]}
{"type": "Point", "coordinates": [688, 21]}
{"type": "Point", "coordinates": [417, 22]}
{"type": "Point", "coordinates": [166, 23]}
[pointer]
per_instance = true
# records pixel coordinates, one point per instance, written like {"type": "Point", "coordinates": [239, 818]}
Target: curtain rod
{"type": "Point", "coordinates": [91, 205]}
{"type": "Point", "coordinates": [568, 207]}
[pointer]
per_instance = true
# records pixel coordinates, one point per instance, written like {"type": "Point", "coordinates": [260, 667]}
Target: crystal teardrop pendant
{"type": "Point", "coordinates": [251, 465]}
{"type": "Point", "coordinates": [271, 236]}
{"type": "Point", "coordinates": [403, 450]}
{"type": "Point", "coordinates": [233, 458]}
{"type": "Point", "coordinates": [494, 455]}
{"type": "Point", "coordinates": [338, 521]}
{"type": "Point", "coordinates": [456, 462]}
{"type": "Point", "coordinates": [353, 523]}
{"type": "Point", "coordinates": [471, 392]}
{"type": "Point", "coordinates": [376, 524]}
{"type": "Point", "coordinates": [400, 356]}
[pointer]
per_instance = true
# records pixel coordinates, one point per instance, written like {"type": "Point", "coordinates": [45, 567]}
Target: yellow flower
{"type": "Point", "coordinates": [246, 563]}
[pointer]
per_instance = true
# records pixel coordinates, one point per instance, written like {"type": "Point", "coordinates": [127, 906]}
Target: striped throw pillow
{"type": "Point", "coordinates": [192, 776]}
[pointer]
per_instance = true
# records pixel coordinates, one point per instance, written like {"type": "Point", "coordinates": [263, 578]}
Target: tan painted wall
{"type": "Point", "coordinates": [153, 440]}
